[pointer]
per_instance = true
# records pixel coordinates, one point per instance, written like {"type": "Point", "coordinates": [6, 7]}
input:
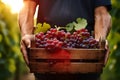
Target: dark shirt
{"type": "Point", "coordinates": [61, 12]}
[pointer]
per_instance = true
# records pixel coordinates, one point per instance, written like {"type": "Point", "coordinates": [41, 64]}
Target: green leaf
{"type": "Point", "coordinates": [81, 23]}
{"type": "Point", "coordinates": [69, 27]}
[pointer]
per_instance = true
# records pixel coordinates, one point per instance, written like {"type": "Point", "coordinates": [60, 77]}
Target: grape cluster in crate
{"type": "Point", "coordinates": [70, 49]}
{"type": "Point", "coordinates": [55, 39]}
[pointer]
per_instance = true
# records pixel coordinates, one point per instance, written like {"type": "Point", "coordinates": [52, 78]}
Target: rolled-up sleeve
{"type": "Point", "coordinates": [106, 3]}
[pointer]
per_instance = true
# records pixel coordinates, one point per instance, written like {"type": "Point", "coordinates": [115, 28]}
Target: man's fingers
{"type": "Point", "coordinates": [27, 40]}
{"type": "Point", "coordinates": [106, 56]}
{"type": "Point", "coordinates": [28, 43]}
{"type": "Point", "coordinates": [106, 45]}
{"type": "Point", "coordinates": [24, 52]}
{"type": "Point", "coordinates": [25, 44]}
{"type": "Point", "coordinates": [107, 52]}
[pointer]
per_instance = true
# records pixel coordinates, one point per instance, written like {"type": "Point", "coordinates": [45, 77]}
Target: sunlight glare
{"type": "Point", "coordinates": [15, 5]}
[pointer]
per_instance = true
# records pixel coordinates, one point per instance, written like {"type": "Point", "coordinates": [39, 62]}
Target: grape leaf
{"type": "Point", "coordinates": [81, 23]}
{"type": "Point", "coordinates": [42, 27]}
{"type": "Point", "coordinates": [69, 27]}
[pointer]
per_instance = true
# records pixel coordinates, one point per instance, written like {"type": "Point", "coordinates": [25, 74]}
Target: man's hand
{"type": "Point", "coordinates": [26, 43]}
{"type": "Point", "coordinates": [107, 52]}
{"type": "Point", "coordinates": [26, 23]}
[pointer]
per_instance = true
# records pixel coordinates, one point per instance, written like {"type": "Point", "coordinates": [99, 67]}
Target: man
{"type": "Point", "coordinates": [61, 12]}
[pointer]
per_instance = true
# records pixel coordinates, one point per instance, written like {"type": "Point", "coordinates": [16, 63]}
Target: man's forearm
{"type": "Point", "coordinates": [26, 17]}
{"type": "Point", "coordinates": [102, 22]}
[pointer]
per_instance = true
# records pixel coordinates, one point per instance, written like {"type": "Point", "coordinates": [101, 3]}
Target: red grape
{"type": "Point", "coordinates": [54, 39]}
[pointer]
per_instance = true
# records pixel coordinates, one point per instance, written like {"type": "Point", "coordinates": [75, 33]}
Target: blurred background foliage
{"type": "Point", "coordinates": [12, 65]}
{"type": "Point", "coordinates": [112, 69]}
{"type": "Point", "coordinates": [11, 61]}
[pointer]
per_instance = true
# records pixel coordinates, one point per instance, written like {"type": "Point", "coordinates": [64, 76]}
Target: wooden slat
{"type": "Point", "coordinates": [42, 67]}
{"type": "Point", "coordinates": [40, 53]}
{"type": "Point", "coordinates": [36, 54]}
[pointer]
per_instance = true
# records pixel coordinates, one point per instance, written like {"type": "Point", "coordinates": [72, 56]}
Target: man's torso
{"type": "Point", "coordinates": [61, 12]}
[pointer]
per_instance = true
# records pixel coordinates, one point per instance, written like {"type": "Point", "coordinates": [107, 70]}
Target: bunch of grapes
{"type": "Point", "coordinates": [55, 39]}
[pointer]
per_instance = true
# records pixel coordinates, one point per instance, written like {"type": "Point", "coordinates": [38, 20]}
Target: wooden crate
{"type": "Point", "coordinates": [81, 60]}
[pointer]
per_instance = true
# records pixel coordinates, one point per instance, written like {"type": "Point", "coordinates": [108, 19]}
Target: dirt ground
{"type": "Point", "coordinates": [28, 76]}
